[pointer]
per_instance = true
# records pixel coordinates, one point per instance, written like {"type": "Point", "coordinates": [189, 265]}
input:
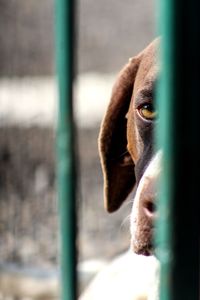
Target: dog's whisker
{"type": "Point", "coordinates": [130, 202]}
{"type": "Point", "coordinates": [125, 221]}
{"type": "Point", "coordinates": [120, 156]}
{"type": "Point", "coordinates": [123, 154]}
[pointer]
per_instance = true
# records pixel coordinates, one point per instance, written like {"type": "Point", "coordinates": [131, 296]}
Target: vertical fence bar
{"type": "Point", "coordinates": [65, 147]}
{"type": "Point", "coordinates": [178, 100]}
{"type": "Point", "coordinates": [165, 139]}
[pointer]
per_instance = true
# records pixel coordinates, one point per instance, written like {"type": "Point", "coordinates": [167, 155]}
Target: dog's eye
{"type": "Point", "coordinates": [147, 111]}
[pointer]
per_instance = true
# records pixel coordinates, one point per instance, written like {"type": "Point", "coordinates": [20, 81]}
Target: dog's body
{"type": "Point", "coordinates": [127, 277]}
{"type": "Point", "coordinates": [127, 149]}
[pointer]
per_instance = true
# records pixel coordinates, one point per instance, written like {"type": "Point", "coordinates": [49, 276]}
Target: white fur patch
{"type": "Point", "coordinates": [151, 173]}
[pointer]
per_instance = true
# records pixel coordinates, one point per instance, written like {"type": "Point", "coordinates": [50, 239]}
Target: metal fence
{"type": "Point", "coordinates": [65, 147]}
{"type": "Point", "coordinates": [178, 228]}
{"type": "Point", "coordinates": [178, 135]}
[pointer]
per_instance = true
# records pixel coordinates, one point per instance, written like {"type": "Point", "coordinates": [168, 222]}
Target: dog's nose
{"type": "Point", "coordinates": [148, 205]}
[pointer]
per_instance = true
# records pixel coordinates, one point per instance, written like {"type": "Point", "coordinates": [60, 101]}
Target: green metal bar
{"type": "Point", "coordinates": [178, 135]}
{"type": "Point", "coordinates": [165, 94]}
{"type": "Point", "coordinates": [66, 174]}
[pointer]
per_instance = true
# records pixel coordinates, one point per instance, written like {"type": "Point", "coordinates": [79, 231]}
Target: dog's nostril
{"type": "Point", "coordinates": [150, 208]}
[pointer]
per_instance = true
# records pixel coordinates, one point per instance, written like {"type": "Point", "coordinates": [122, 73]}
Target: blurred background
{"type": "Point", "coordinates": [108, 33]}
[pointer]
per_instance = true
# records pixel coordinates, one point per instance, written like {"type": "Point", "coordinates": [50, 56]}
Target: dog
{"type": "Point", "coordinates": [131, 165]}
{"type": "Point", "coordinates": [129, 161]}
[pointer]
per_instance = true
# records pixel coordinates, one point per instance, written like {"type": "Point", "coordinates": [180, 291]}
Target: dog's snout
{"type": "Point", "coordinates": [144, 210]}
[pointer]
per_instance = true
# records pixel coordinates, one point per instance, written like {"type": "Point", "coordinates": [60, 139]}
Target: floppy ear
{"type": "Point", "coordinates": [117, 165]}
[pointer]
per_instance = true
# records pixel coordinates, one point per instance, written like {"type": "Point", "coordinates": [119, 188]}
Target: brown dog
{"type": "Point", "coordinates": [126, 146]}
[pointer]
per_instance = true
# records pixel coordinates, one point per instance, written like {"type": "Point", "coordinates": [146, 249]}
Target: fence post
{"type": "Point", "coordinates": [178, 135]}
{"type": "Point", "coordinates": [66, 175]}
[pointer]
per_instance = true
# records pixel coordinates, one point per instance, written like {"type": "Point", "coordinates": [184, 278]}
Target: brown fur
{"type": "Point", "coordinates": [120, 146]}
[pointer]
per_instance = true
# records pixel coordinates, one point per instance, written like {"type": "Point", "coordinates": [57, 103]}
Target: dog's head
{"type": "Point", "coordinates": [126, 146]}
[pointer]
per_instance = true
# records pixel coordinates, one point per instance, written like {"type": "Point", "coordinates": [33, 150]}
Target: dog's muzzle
{"type": "Point", "coordinates": [144, 209]}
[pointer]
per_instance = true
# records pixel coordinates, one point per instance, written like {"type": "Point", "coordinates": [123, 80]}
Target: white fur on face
{"type": "Point", "coordinates": [151, 173]}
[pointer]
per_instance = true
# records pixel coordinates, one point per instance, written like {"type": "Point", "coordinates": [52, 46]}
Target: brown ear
{"type": "Point", "coordinates": [117, 165]}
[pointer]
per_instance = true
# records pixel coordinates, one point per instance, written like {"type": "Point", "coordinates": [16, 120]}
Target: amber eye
{"type": "Point", "coordinates": [148, 112]}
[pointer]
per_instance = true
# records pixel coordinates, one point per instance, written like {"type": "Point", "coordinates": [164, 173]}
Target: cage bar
{"type": "Point", "coordinates": [178, 136]}
{"type": "Point", "coordinates": [66, 173]}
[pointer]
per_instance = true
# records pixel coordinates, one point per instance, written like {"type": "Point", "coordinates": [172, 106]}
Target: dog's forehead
{"type": "Point", "coordinates": [148, 69]}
